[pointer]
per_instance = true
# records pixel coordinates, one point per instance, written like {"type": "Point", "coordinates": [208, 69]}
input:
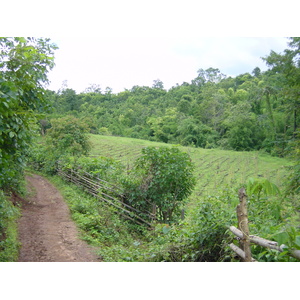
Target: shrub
{"type": "Point", "coordinates": [105, 168]}
{"type": "Point", "coordinates": [162, 177]}
{"type": "Point", "coordinates": [68, 135]}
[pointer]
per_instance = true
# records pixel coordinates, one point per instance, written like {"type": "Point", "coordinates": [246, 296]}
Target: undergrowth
{"type": "Point", "coordinates": [100, 225]}
{"type": "Point", "coordinates": [202, 236]}
{"type": "Point", "coordinates": [9, 214]}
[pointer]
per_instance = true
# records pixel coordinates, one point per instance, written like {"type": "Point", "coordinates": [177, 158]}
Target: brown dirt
{"type": "Point", "coordinates": [46, 231]}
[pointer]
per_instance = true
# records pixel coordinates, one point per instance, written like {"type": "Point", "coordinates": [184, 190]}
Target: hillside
{"type": "Point", "coordinates": [215, 169]}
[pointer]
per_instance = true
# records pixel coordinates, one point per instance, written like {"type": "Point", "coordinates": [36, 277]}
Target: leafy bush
{"type": "Point", "coordinates": [68, 135]}
{"type": "Point", "coordinates": [162, 177]}
{"type": "Point", "coordinates": [202, 236]}
{"type": "Point", "coordinates": [42, 158]}
{"type": "Point", "coordinates": [105, 168]}
{"type": "Point", "coordinates": [24, 64]}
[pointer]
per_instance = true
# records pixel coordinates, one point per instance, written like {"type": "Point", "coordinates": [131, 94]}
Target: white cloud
{"type": "Point", "coordinates": [126, 61]}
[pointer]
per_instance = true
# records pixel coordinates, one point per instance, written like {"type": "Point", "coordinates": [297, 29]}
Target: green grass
{"type": "Point", "coordinates": [215, 169]}
{"type": "Point", "coordinates": [112, 238]}
{"type": "Point", "coordinates": [9, 244]}
{"type": "Point", "coordinates": [210, 209]}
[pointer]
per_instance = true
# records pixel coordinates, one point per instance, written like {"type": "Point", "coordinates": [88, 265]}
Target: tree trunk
{"type": "Point", "coordinates": [269, 106]}
{"type": "Point", "coordinates": [295, 123]}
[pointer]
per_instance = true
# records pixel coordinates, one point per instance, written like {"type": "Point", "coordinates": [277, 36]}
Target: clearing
{"type": "Point", "coordinates": [46, 231]}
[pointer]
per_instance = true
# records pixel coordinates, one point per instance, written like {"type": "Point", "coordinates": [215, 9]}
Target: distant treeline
{"type": "Point", "coordinates": [249, 112]}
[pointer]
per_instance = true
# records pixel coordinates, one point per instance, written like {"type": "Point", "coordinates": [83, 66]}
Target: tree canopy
{"type": "Point", "coordinates": [253, 111]}
{"type": "Point", "coordinates": [24, 64]}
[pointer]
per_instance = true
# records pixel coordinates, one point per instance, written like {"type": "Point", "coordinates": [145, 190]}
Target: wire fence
{"type": "Point", "coordinates": [106, 192]}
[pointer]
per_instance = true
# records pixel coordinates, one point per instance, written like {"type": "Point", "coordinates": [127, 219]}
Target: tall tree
{"type": "Point", "coordinates": [288, 64]}
{"type": "Point", "coordinates": [24, 64]}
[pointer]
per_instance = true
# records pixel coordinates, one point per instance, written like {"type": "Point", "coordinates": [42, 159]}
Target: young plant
{"type": "Point", "coordinates": [261, 185]}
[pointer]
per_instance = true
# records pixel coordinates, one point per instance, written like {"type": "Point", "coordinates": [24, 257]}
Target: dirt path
{"type": "Point", "coordinates": [46, 231]}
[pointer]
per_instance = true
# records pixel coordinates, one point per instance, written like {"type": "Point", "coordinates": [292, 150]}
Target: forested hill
{"type": "Point", "coordinates": [257, 110]}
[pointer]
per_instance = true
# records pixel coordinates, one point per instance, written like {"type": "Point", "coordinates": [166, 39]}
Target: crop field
{"type": "Point", "coordinates": [215, 169]}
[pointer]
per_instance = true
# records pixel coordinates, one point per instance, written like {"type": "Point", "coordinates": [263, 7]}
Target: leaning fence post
{"type": "Point", "coordinates": [242, 216]}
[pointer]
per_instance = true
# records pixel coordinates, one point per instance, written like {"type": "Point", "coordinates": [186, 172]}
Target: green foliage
{"type": "Point", "coordinates": [243, 131]}
{"type": "Point", "coordinates": [243, 113]}
{"type": "Point", "coordinates": [290, 238]}
{"type": "Point", "coordinates": [293, 183]}
{"type": "Point", "coordinates": [213, 167]}
{"type": "Point", "coordinates": [24, 63]}
{"type": "Point", "coordinates": [203, 235]}
{"type": "Point", "coordinates": [41, 158]}
{"type": "Point", "coordinates": [105, 168]}
{"type": "Point", "coordinates": [165, 179]}
{"type": "Point", "coordinates": [265, 197]}
{"type": "Point", "coordinates": [259, 185]}
{"type": "Point", "coordinates": [101, 226]}
{"type": "Point", "coordinates": [67, 136]}
{"type": "Point", "coordinates": [9, 245]}
{"type": "Point", "coordinates": [193, 133]}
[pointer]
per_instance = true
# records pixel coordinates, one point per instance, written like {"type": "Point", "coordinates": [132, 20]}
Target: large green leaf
{"type": "Point", "coordinates": [281, 238]}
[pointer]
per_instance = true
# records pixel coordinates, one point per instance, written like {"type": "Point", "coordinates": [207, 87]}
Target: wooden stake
{"type": "Point", "coordinates": [242, 216]}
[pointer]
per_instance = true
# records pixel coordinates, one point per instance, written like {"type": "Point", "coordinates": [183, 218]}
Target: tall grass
{"type": "Point", "coordinates": [9, 244]}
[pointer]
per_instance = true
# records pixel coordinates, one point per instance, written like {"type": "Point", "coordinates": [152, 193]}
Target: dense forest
{"type": "Point", "coordinates": [252, 111]}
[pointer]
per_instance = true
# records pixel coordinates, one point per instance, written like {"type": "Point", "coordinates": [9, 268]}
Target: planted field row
{"type": "Point", "coordinates": [214, 169]}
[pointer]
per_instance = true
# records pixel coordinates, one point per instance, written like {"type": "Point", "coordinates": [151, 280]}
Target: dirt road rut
{"type": "Point", "coordinates": [46, 231]}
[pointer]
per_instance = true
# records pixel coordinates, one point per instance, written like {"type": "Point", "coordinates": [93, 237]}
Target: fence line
{"type": "Point", "coordinates": [96, 187]}
{"type": "Point", "coordinates": [244, 237]}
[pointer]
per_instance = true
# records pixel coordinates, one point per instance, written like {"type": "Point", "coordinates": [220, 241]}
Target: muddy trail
{"type": "Point", "coordinates": [46, 231]}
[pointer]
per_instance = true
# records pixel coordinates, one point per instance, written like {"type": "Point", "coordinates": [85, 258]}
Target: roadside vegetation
{"type": "Point", "coordinates": [9, 245]}
{"type": "Point", "coordinates": [24, 64]}
{"type": "Point", "coordinates": [203, 234]}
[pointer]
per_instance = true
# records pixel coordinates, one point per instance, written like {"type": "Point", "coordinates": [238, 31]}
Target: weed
{"type": "Point", "coordinates": [9, 245]}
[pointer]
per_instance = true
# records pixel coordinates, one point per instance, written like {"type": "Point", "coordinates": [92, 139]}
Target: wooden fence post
{"type": "Point", "coordinates": [242, 216]}
{"type": "Point", "coordinates": [244, 250]}
{"type": "Point", "coordinates": [182, 214]}
{"type": "Point", "coordinates": [153, 212]}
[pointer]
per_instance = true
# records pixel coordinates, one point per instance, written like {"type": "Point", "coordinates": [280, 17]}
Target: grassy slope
{"type": "Point", "coordinates": [214, 168]}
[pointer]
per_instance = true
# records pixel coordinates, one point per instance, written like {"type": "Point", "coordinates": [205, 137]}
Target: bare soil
{"type": "Point", "coordinates": [46, 231]}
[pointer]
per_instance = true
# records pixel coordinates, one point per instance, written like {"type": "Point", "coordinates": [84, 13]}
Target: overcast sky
{"type": "Point", "coordinates": [119, 44]}
{"type": "Point", "coordinates": [120, 63]}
